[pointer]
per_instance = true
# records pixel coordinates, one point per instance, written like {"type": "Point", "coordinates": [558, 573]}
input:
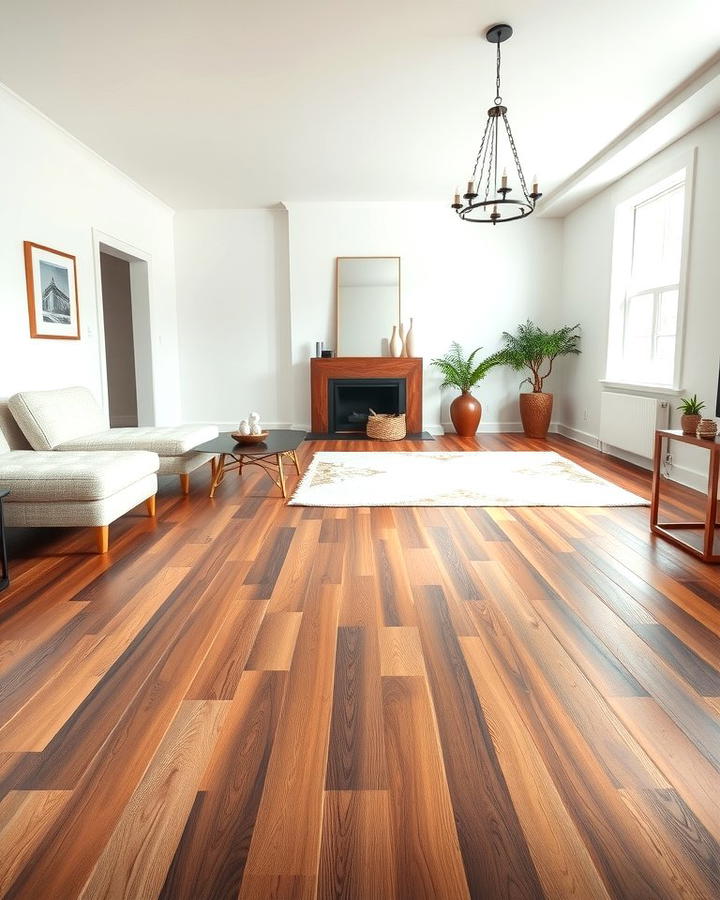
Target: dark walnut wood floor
{"type": "Point", "coordinates": [248, 699]}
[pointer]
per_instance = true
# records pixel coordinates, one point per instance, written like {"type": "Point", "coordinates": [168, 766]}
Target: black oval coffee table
{"type": "Point", "coordinates": [268, 455]}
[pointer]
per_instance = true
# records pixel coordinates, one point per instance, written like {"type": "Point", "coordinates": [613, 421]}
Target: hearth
{"type": "Point", "coordinates": [351, 399]}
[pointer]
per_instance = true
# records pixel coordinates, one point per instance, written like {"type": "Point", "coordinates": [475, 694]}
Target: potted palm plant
{"type": "Point", "coordinates": [534, 349]}
{"type": "Point", "coordinates": [691, 409]}
{"type": "Point", "coordinates": [460, 371]}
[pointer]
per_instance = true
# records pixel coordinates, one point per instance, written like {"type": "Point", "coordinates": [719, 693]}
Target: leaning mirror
{"type": "Point", "coordinates": [368, 303]}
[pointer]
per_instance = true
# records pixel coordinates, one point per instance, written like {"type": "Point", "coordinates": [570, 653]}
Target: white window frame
{"type": "Point", "coordinates": [658, 178]}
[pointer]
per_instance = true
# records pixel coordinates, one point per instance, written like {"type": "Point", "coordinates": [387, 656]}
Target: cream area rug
{"type": "Point", "coordinates": [485, 478]}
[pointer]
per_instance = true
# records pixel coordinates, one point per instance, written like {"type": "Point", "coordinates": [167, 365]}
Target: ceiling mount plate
{"type": "Point", "coordinates": [497, 34]}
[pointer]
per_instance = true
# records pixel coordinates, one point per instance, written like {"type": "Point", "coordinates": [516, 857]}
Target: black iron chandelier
{"type": "Point", "coordinates": [486, 200]}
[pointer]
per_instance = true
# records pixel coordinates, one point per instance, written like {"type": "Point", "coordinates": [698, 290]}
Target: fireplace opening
{"type": "Point", "coordinates": [351, 399]}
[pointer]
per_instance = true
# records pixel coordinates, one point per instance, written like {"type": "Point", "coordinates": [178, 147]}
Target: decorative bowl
{"type": "Point", "coordinates": [249, 438]}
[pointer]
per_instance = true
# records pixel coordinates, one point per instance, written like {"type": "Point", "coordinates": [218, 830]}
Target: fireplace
{"type": "Point", "coordinates": [371, 376]}
{"type": "Point", "coordinates": [351, 399]}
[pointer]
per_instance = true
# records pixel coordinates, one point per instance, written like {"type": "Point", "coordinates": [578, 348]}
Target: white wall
{"type": "Point", "coordinates": [54, 192]}
{"type": "Point", "coordinates": [460, 281]}
{"type": "Point", "coordinates": [234, 316]}
{"type": "Point", "coordinates": [587, 256]}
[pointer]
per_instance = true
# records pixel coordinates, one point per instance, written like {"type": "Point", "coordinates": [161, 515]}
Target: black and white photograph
{"type": "Point", "coordinates": [52, 293]}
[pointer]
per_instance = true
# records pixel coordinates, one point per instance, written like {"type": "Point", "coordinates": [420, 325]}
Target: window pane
{"type": "Point", "coordinates": [667, 314]}
{"type": "Point", "coordinates": [648, 243]}
{"type": "Point", "coordinates": [639, 319]}
{"type": "Point", "coordinates": [665, 355]}
{"type": "Point", "coordinates": [657, 240]}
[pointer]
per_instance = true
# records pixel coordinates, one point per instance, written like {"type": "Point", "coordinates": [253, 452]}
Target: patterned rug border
{"type": "Point", "coordinates": [304, 485]}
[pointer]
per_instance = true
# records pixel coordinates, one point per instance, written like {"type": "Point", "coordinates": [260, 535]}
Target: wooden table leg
{"type": "Point", "coordinates": [294, 459]}
{"type": "Point", "coordinates": [281, 473]}
{"type": "Point", "coordinates": [218, 475]}
{"type": "Point", "coordinates": [655, 498]}
{"type": "Point", "coordinates": [711, 509]}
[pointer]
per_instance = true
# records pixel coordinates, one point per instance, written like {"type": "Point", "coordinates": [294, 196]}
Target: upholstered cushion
{"type": "Point", "coordinates": [183, 465]}
{"type": "Point", "coordinates": [168, 441]}
{"type": "Point", "coordinates": [11, 438]}
{"type": "Point", "coordinates": [47, 418]}
{"type": "Point", "coordinates": [32, 475]}
{"type": "Point", "coordinates": [64, 513]}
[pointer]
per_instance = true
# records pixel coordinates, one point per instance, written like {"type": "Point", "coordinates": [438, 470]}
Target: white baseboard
{"type": "Point", "coordinates": [581, 437]}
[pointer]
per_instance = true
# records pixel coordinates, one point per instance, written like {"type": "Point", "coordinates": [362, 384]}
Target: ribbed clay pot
{"type": "Point", "coordinates": [465, 412]}
{"type": "Point", "coordinates": [535, 413]}
{"type": "Point", "coordinates": [689, 424]}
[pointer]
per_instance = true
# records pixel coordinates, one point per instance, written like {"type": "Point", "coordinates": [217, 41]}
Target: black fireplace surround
{"type": "Point", "coordinates": [351, 399]}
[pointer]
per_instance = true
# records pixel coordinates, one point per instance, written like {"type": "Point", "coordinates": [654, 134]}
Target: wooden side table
{"type": "Point", "coordinates": [709, 526]}
{"type": "Point", "coordinates": [4, 573]}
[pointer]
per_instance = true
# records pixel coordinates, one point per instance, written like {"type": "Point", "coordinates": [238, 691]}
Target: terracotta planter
{"type": "Point", "coordinates": [689, 424]}
{"type": "Point", "coordinates": [465, 412]}
{"type": "Point", "coordinates": [535, 413]}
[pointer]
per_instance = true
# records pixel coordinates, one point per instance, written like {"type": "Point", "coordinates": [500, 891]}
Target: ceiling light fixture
{"type": "Point", "coordinates": [494, 204]}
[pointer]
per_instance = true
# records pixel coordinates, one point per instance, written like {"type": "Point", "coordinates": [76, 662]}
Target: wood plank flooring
{"type": "Point", "coordinates": [246, 699]}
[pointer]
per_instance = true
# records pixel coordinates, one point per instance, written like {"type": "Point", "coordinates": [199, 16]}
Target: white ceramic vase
{"type": "Point", "coordinates": [403, 352]}
{"type": "Point", "coordinates": [396, 343]}
{"type": "Point", "coordinates": [410, 348]}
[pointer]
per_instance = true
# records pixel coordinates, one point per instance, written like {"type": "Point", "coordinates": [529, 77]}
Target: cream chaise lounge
{"type": "Point", "coordinates": [71, 489]}
{"type": "Point", "coordinates": [69, 419]}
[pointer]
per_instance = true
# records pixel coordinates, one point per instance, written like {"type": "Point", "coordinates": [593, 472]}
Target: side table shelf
{"type": "Point", "coordinates": [709, 526]}
{"type": "Point", "coordinates": [4, 573]}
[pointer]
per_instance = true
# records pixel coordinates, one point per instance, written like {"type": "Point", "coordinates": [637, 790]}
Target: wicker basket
{"type": "Point", "coordinates": [386, 427]}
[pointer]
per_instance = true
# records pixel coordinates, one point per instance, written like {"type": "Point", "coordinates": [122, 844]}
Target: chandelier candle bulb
{"type": "Point", "coordinates": [504, 178]}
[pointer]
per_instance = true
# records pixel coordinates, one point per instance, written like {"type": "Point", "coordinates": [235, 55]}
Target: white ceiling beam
{"type": "Point", "coordinates": [692, 103]}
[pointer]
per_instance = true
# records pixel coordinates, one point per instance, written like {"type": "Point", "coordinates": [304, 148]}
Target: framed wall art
{"type": "Point", "coordinates": [51, 277]}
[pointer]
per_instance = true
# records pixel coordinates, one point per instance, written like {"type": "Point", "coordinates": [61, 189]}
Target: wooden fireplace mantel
{"type": "Point", "coordinates": [322, 369]}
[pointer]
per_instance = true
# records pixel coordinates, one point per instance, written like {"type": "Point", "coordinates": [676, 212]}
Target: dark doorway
{"type": "Point", "coordinates": [119, 341]}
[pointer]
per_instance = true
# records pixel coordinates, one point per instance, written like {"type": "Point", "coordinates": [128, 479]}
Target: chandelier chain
{"type": "Point", "coordinates": [490, 161]}
{"type": "Point", "coordinates": [511, 140]}
{"type": "Point", "coordinates": [482, 144]}
{"type": "Point", "coordinates": [498, 98]}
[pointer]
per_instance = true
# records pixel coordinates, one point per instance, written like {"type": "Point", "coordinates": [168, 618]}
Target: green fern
{"type": "Point", "coordinates": [532, 348]}
{"type": "Point", "coordinates": [458, 371]}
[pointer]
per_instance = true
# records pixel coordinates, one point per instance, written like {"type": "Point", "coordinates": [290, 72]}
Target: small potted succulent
{"type": "Point", "coordinates": [691, 409]}
{"type": "Point", "coordinates": [459, 372]}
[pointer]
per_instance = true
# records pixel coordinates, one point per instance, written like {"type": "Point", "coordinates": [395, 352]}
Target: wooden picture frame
{"type": "Point", "coordinates": [51, 279]}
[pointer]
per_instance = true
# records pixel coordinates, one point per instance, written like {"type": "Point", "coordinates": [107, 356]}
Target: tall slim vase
{"type": "Point", "coordinates": [403, 352]}
{"type": "Point", "coordinates": [410, 348]}
{"type": "Point", "coordinates": [396, 344]}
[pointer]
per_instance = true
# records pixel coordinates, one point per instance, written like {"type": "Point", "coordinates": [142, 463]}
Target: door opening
{"type": "Point", "coordinates": [119, 341]}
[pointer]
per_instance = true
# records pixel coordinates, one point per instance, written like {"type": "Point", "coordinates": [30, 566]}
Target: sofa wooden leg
{"type": "Point", "coordinates": [102, 538]}
{"type": "Point", "coordinates": [185, 483]}
{"type": "Point", "coordinates": [150, 504]}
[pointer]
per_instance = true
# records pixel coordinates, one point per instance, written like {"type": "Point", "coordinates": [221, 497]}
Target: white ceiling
{"type": "Point", "coordinates": [248, 103]}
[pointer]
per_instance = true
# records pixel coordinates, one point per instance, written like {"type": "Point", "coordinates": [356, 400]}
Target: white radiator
{"type": "Point", "coordinates": [628, 422]}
